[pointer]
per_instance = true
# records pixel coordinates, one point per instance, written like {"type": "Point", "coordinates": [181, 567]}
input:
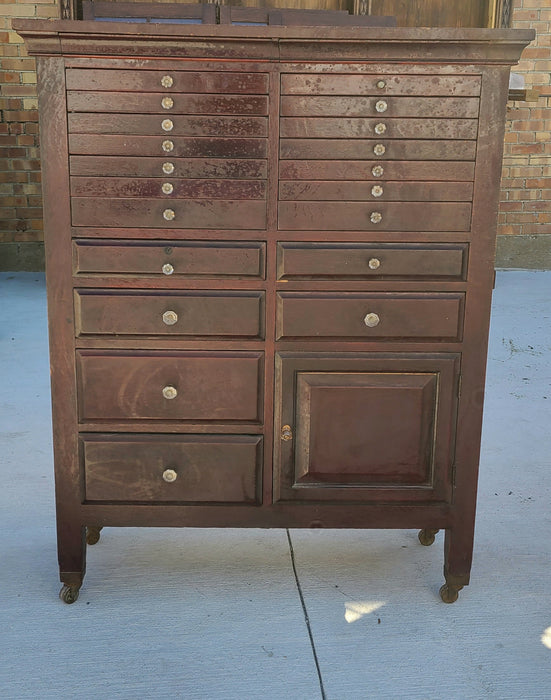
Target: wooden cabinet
{"type": "Point", "coordinates": [269, 274]}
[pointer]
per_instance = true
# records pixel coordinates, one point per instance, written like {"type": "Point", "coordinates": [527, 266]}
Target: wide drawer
{"type": "Point", "coordinates": [387, 190]}
{"type": "Point", "coordinates": [333, 261]}
{"type": "Point", "coordinates": [359, 106]}
{"type": "Point", "coordinates": [377, 84]}
{"type": "Point", "coordinates": [377, 149]}
{"type": "Point", "coordinates": [353, 128]}
{"type": "Point", "coordinates": [176, 213]}
{"type": "Point", "coordinates": [373, 170]}
{"type": "Point", "coordinates": [167, 188]}
{"type": "Point", "coordinates": [167, 81]}
{"type": "Point", "coordinates": [168, 386]}
{"type": "Point", "coordinates": [184, 313]}
{"type": "Point", "coordinates": [218, 259]}
{"type": "Point", "coordinates": [374, 216]}
{"type": "Point", "coordinates": [151, 103]}
{"type": "Point", "coordinates": [370, 316]}
{"type": "Point", "coordinates": [122, 166]}
{"type": "Point", "coordinates": [176, 468]}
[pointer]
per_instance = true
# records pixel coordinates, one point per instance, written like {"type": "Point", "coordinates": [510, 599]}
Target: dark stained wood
{"type": "Point", "coordinates": [389, 190]}
{"type": "Point", "coordinates": [402, 316]}
{"type": "Point", "coordinates": [354, 85]}
{"type": "Point", "coordinates": [211, 386]}
{"type": "Point", "coordinates": [189, 213]}
{"type": "Point", "coordinates": [352, 261]}
{"type": "Point", "coordinates": [352, 106]}
{"type": "Point", "coordinates": [435, 13]}
{"type": "Point", "coordinates": [209, 468]}
{"type": "Point", "coordinates": [396, 216]}
{"type": "Point", "coordinates": [182, 189]}
{"type": "Point", "coordinates": [193, 259]}
{"type": "Point", "coordinates": [202, 314]}
{"type": "Point", "coordinates": [148, 11]}
{"type": "Point", "coordinates": [345, 149]}
{"type": "Point", "coordinates": [363, 170]}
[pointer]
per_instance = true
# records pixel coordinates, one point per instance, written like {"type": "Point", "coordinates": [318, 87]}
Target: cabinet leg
{"type": "Point", "coordinates": [71, 549]}
{"type": "Point", "coordinates": [426, 536]}
{"type": "Point", "coordinates": [93, 534]}
{"type": "Point", "coordinates": [458, 555]}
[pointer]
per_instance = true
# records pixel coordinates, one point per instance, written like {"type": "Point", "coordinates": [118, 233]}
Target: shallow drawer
{"type": "Point", "coordinates": [176, 213]}
{"type": "Point", "coordinates": [167, 188]}
{"type": "Point", "coordinates": [183, 468]}
{"type": "Point", "coordinates": [358, 106]}
{"type": "Point", "coordinates": [333, 261]}
{"type": "Point", "coordinates": [146, 124]}
{"type": "Point", "coordinates": [352, 128]}
{"type": "Point", "coordinates": [334, 84]}
{"type": "Point", "coordinates": [167, 81]}
{"type": "Point", "coordinates": [170, 258]}
{"type": "Point", "coordinates": [151, 103]}
{"type": "Point", "coordinates": [121, 166]}
{"type": "Point", "coordinates": [374, 216]}
{"type": "Point", "coordinates": [367, 316]}
{"type": "Point", "coordinates": [376, 171]}
{"type": "Point", "coordinates": [383, 191]}
{"type": "Point", "coordinates": [197, 313]}
{"type": "Point", "coordinates": [377, 149]}
{"type": "Point", "coordinates": [210, 387]}
{"type": "Point", "coordinates": [167, 146]}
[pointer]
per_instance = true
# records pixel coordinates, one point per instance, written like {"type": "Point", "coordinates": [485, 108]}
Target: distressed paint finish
{"type": "Point", "coordinates": [323, 248]}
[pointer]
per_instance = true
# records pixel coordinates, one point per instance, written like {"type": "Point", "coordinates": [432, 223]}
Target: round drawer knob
{"type": "Point", "coordinates": [170, 475]}
{"type": "Point", "coordinates": [169, 214]}
{"type": "Point", "coordinates": [167, 81]}
{"type": "Point", "coordinates": [167, 125]}
{"type": "Point", "coordinates": [381, 84]}
{"type": "Point", "coordinates": [379, 149]}
{"type": "Point", "coordinates": [376, 217]}
{"type": "Point", "coordinates": [381, 106]}
{"type": "Point", "coordinates": [170, 318]}
{"type": "Point", "coordinates": [380, 128]}
{"type": "Point", "coordinates": [167, 103]}
{"type": "Point", "coordinates": [374, 264]}
{"type": "Point", "coordinates": [167, 146]}
{"type": "Point", "coordinates": [168, 168]}
{"type": "Point", "coordinates": [167, 188]}
{"type": "Point", "coordinates": [377, 171]}
{"type": "Point", "coordinates": [372, 320]}
{"type": "Point", "coordinates": [169, 392]}
{"type": "Point", "coordinates": [376, 190]}
{"type": "Point", "coordinates": [167, 269]}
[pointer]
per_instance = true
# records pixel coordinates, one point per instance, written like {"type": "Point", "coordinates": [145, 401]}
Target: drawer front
{"type": "Point", "coordinates": [375, 216]}
{"type": "Point", "coordinates": [370, 316]}
{"type": "Point", "coordinates": [377, 150]}
{"type": "Point", "coordinates": [176, 213]}
{"type": "Point", "coordinates": [333, 261]}
{"type": "Point", "coordinates": [166, 81]}
{"type": "Point", "coordinates": [210, 387]}
{"type": "Point", "coordinates": [231, 259]}
{"type": "Point", "coordinates": [375, 171]}
{"type": "Point", "coordinates": [376, 84]}
{"type": "Point", "coordinates": [387, 190]}
{"type": "Point", "coordinates": [198, 313]}
{"type": "Point", "coordinates": [354, 128]}
{"type": "Point", "coordinates": [184, 468]}
{"type": "Point", "coordinates": [167, 188]}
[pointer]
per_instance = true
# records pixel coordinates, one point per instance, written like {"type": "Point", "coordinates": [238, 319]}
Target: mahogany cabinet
{"type": "Point", "coordinates": [270, 262]}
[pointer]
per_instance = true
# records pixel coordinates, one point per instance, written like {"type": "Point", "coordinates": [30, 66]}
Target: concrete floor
{"type": "Point", "coordinates": [218, 615]}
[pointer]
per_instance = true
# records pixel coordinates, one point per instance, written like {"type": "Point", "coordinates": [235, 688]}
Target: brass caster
{"type": "Point", "coordinates": [449, 593]}
{"type": "Point", "coordinates": [69, 594]}
{"type": "Point", "coordinates": [92, 534]}
{"type": "Point", "coordinates": [426, 536]}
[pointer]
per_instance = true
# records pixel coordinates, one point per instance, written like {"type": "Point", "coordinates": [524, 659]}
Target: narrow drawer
{"type": "Point", "coordinates": [151, 103]}
{"type": "Point", "coordinates": [432, 170]}
{"type": "Point", "coordinates": [374, 216]}
{"type": "Point", "coordinates": [383, 191]}
{"type": "Point", "coordinates": [359, 106]}
{"type": "Point", "coordinates": [206, 387]}
{"type": "Point", "coordinates": [166, 81]}
{"type": "Point", "coordinates": [334, 261]}
{"type": "Point", "coordinates": [167, 188]}
{"type": "Point", "coordinates": [354, 128]}
{"type": "Point", "coordinates": [176, 213]}
{"type": "Point", "coordinates": [220, 259]}
{"type": "Point", "coordinates": [377, 149]}
{"type": "Point", "coordinates": [176, 468]}
{"type": "Point", "coordinates": [197, 313]}
{"type": "Point", "coordinates": [377, 84]}
{"type": "Point", "coordinates": [370, 316]}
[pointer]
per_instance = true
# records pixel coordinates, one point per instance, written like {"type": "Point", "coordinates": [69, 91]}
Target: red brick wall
{"type": "Point", "coordinates": [526, 184]}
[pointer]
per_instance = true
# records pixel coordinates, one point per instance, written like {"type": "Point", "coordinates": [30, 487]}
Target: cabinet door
{"type": "Point", "coordinates": [365, 427]}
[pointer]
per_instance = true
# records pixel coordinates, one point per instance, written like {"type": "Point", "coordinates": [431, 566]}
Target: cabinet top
{"type": "Point", "coordinates": [274, 43]}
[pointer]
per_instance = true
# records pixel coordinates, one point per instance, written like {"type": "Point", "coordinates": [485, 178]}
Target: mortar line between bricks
{"type": "Point", "coordinates": [306, 618]}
